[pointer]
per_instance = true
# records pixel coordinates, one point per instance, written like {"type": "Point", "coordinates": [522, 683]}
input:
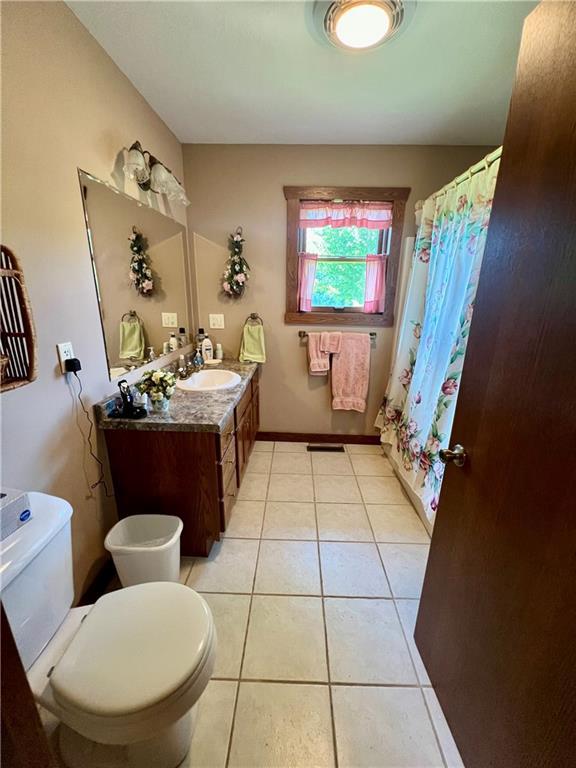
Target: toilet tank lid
{"type": "Point", "coordinates": [136, 647]}
{"type": "Point", "coordinates": [49, 515]}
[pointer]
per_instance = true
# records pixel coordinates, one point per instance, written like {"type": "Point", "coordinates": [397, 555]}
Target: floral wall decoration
{"type": "Point", "coordinates": [140, 270]}
{"type": "Point", "coordinates": [237, 270]}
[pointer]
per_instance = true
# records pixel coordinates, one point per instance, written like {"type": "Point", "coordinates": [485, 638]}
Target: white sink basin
{"type": "Point", "coordinates": [205, 381]}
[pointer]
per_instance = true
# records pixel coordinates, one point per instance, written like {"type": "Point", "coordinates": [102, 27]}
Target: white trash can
{"type": "Point", "coordinates": [146, 548]}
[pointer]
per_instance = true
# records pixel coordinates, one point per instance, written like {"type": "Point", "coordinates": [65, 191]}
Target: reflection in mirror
{"type": "Point", "coordinates": [140, 270]}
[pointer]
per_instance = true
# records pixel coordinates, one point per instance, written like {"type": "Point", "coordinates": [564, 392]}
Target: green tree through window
{"type": "Point", "coordinates": [340, 283]}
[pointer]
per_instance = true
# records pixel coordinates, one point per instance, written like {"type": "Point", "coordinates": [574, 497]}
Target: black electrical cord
{"type": "Point", "coordinates": [101, 479]}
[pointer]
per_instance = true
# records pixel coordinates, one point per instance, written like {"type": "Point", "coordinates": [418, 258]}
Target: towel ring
{"type": "Point", "coordinates": [254, 317]}
{"type": "Point", "coordinates": [132, 315]}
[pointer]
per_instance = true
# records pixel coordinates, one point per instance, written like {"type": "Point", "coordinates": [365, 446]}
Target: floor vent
{"type": "Point", "coordinates": [332, 447]}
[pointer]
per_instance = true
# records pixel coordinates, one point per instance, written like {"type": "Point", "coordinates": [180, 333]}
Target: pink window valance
{"type": "Point", "coordinates": [345, 214]}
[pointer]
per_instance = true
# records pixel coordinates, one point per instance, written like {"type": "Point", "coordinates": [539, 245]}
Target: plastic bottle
{"type": "Point", "coordinates": [173, 342]}
{"type": "Point", "coordinates": [182, 337]}
{"type": "Point", "coordinates": [200, 336]}
{"type": "Point", "coordinates": [207, 349]}
{"type": "Point", "coordinates": [219, 352]}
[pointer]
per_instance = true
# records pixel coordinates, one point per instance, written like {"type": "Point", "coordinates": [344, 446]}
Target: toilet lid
{"type": "Point", "coordinates": [136, 647]}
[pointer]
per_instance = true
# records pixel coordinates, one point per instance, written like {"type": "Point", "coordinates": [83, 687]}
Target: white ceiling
{"type": "Point", "coordinates": [256, 72]}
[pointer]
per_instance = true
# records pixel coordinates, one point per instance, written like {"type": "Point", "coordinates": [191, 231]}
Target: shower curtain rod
{"type": "Point", "coordinates": [485, 163]}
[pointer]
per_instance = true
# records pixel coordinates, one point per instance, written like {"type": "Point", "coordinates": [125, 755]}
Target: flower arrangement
{"type": "Point", "coordinates": [159, 385]}
{"type": "Point", "coordinates": [237, 269]}
{"type": "Point", "coordinates": [140, 272]}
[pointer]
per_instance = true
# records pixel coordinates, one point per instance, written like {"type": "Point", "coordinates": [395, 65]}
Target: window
{"type": "Point", "coordinates": [343, 248]}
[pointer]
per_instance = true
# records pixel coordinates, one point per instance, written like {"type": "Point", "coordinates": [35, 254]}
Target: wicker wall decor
{"type": "Point", "coordinates": [17, 333]}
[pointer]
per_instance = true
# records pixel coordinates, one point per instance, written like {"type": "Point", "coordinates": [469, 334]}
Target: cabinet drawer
{"type": "Point", "coordinates": [227, 503]}
{"type": "Point", "coordinates": [243, 404]}
{"type": "Point", "coordinates": [227, 435]}
{"type": "Point", "coordinates": [227, 467]}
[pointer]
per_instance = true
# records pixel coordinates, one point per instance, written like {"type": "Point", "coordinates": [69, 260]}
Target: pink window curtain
{"type": "Point", "coordinates": [306, 275]}
{"type": "Point", "coordinates": [345, 214]}
{"type": "Point", "coordinates": [375, 280]}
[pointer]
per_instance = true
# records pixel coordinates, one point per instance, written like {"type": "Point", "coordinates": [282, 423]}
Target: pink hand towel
{"type": "Point", "coordinates": [351, 373]}
{"type": "Point", "coordinates": [330, 341]}
{"type": "Point", "coordinates": [318, 361]}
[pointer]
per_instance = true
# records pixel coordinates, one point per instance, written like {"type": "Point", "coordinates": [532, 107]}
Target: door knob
{"type": "Point", "coordinates": [456, 456]}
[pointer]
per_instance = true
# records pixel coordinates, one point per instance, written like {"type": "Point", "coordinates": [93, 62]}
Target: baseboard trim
{"type": "Point", "coordinates": [316, 437]}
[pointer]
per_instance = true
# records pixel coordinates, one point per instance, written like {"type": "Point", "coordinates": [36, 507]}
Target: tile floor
{"type": "Point", "coordinates": [314, 590]}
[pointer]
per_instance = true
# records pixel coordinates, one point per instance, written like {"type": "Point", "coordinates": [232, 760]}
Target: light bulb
{"type": "Point", "coordinates": [362, 25]}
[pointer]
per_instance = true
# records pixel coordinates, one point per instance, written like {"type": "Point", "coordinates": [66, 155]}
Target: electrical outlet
{"type": "Point", "coordinates": [65, 352]}
{"type": "Point", "coordinates": [216, 321]}
{"type": "Point", "coordinates": [169, 320]}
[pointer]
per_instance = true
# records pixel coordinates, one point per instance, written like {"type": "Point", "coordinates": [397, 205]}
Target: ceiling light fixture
{"type": "Point", "coordinates": [152, 175]}
{"type": "Point", "coordinates": [362, 24]}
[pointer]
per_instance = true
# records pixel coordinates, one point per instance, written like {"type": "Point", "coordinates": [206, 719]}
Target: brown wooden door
{"type": "Point", "coordinates": [497, 621]}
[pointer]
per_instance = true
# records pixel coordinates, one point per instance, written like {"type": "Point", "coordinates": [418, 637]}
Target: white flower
{"type": "Point", "coordinates": [169, 391]}
{"type": "Point", "coordinates": [157, 376]}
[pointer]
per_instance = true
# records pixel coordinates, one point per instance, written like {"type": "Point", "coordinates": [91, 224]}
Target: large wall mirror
{"type": "Point", "coordinates": [142, 300]}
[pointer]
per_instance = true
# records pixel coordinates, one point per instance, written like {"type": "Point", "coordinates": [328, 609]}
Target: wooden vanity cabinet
{"type": "Point", "coordinates": [194, 475]}
{"type": "Point", "coordinates": [247, 416]}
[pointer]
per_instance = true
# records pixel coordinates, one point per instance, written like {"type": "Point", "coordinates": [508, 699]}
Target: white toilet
{"type": "Point", "coordinates": [123, 675]}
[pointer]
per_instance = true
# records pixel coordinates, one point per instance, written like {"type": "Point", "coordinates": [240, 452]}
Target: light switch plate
{"type": "Point", "coordinates": [65, 352]}
{"type": "Point", "coordinates": [169, 320]}
{"type": "Point", "coordinates": [216, 321]}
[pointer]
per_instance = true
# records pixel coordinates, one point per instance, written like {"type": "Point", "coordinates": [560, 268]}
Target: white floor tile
{"type": "Point", "coordinates": [371, 465]}
{"type": "Point", "coordinates": [352, 570]}
{"type": "Point", "coordinates": [280, 725]}
{"type": "Point", "coordinates": [290, 447]}
{"type": "Point", "coordinates": [405, 565]}
{"type": "Point", "coordinates": [229, 567]}
{"type": "Point", "coordinates": [408, 610]}
{"type": "Point", "coordinates": [333, 489]}
{"type": "Point", "coordinates": [288, 568]}
{"type": "Point", "coordinates": [230, 614]}
{"type": "Point", "coordinates": [291, 463]}
{"type": "Point", "coordinates": [381, 490]}
{"type": "Point", "coordinates": [290, 488]}
{"type": "Point", "coordinates": [286, 639]}
{"type": "Point", "coordinates": [253, 487]}
{"type": "Point", "coordinates": [289, 520]}
{"type": "Point", "coordinates": [447, 743]}
{"type": "Point", "coordinates": [383, 728]}
{"type": "Point", "coordinates": [366, 643]}
{"type": "Point", "coordinates": [331, 464]}
{"type": "Point", "coordinates": [260, 462]}
{"type": "Point", "coordinates": [343, 522]}
{"type": "Point", "coordinates": [397, 523]}
{"type": "Point", "coordinates": [185, 567]}
{"type": "Point", "coordinates": [246, 519]}
{"type": "Point", "coordinates": [264, 446]}
{"type": "Point", "coordinates": [210, 741]}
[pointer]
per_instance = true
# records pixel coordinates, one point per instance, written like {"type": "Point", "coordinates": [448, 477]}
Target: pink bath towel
{"type": "Point", "coordinates": [330, 341]}
{"type": "Point", "coordinates": [351, 372]}
{"type": "Point", "coordinates": [318, 361]}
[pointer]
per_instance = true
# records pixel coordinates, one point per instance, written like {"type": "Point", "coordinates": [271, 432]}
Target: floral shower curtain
{"type": "Point", "coordinates": [418, 410]}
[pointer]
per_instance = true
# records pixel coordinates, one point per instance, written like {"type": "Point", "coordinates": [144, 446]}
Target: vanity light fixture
{"type": "Point", "coordinates": [362, 24]}
{"type": "Point", "coordinates": [152, 175]}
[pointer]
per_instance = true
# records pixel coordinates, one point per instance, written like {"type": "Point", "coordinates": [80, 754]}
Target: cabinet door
{"type": "Point", "coordinates": [255, 416]}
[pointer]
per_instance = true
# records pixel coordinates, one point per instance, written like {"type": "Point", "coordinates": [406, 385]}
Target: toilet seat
{"type": "Point", "coordinates": [139, 661]}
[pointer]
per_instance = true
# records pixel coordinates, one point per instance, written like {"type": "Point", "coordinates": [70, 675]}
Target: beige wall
{"type": "Point", "coordinates": [65, 105]}
{"type": "Point", "coordinates": [242, 185]}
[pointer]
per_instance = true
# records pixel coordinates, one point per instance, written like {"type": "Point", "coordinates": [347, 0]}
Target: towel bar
{"type": "Point", "coordinates": [304, 335]}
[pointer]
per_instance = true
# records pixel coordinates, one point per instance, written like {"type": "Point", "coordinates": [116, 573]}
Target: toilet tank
{"type": "Point", "coordinates": [36, 574]}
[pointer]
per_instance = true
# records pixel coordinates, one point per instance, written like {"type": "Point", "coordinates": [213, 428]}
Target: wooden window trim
{"type": "Point", "coordinates": [397, 196]}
